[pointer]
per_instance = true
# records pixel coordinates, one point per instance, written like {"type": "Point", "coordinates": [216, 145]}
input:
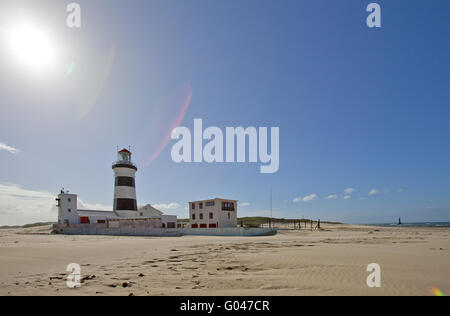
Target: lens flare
{"type": "Point", "coordinates": [70, 68]}
{"type": "Point", "coordinates": [87, 107]}
{"type": "Point", "coordinates": [175, 123]}
{"type": "Point", "coordinates": [435, 291]}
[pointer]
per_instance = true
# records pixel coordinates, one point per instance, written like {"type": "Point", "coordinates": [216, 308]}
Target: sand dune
{"type": "Point", "coordinates": [328, 262]}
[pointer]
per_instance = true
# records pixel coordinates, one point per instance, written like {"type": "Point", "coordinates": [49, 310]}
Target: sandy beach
{"type": "Point", "coordinates": [332, 261]}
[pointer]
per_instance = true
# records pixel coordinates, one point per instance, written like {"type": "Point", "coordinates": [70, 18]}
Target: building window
{"type": "Point", "coordinates": [227, 206]}
{"type": "Point", "coordinates": [211, 215]}
{"type": "Point", "coordinates": [142, 214]}
{"type": "Point", "coordinates": [69, 200]}
{"type": "Point", "coordinates": [69, 210]}
{"type": "Point", "coordinates": [228, 215]}
{"type": "Point", "coordinates": [200, 205]}
{"type": "Point", "coordinates": [193, 216]}
{"type": "Point", "coordinates": [209, 203]}
{"type": "Point", "coordinates": [201, 215]}
{"type": "Point", "coordinates": [193, 206]}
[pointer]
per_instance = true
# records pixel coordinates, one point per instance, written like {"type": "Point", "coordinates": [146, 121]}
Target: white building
{"type": "Point", "coordinates": [167, 221]}
{"type": "Point", "coordinates": [214, 213]}
{"type": "Point", "coordinates": [125, 205]}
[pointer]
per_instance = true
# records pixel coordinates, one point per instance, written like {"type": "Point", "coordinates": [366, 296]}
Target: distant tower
{"type": "Point", "coordinates": [124, 188]}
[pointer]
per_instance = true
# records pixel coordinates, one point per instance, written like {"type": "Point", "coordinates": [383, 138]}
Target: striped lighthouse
{"type": "Point", "coordinates": [125, 204]}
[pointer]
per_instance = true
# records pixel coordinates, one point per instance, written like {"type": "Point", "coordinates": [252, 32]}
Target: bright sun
{"type": "Point", "coordinates": [31, 45]}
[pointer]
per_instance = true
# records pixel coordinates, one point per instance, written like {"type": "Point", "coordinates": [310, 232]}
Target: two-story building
{"type": "Point", "coordinates": [214, 213]}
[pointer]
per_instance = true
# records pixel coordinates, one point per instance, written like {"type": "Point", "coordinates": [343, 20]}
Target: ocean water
{"type": "Point", "coordinates": [420, 224]}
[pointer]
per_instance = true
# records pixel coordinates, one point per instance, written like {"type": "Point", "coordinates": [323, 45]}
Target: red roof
{"type": "Point", "coordinates": [125, 151]}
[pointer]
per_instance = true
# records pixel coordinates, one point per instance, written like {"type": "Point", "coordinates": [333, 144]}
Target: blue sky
{"type": "Point", "coordinates": [359, 108]}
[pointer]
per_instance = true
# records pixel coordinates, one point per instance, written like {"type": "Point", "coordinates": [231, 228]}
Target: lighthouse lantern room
{"type": "Point", "coordinates": [124, 155]}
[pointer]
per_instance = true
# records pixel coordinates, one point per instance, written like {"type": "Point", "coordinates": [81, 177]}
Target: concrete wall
{"type": "Point", "coordinates": [228, 231]}
{"type": "Point", "coordinates": [144, 223]}
{"type": "Point", "coordinates": [103, 229]}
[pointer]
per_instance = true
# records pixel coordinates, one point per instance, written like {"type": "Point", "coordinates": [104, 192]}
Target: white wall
{"type": "Point", "coordinates": [165, 219]}
{"type": "Point", "coordinates": [228, 231]}
{"type": "Point", "coordinates": [94, 216]}
{"type": "Point", "coordinates": [67, 210]}
{"type": "Point", "coordinates": [219, 217]}
{"type": "Point", "coordinates": [87, 229]}
{"type": "Point", "coordinates": [149, 211]}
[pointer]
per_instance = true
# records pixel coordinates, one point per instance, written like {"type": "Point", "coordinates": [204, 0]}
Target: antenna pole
{"type": "Point", "coordinates": [270, 207]}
